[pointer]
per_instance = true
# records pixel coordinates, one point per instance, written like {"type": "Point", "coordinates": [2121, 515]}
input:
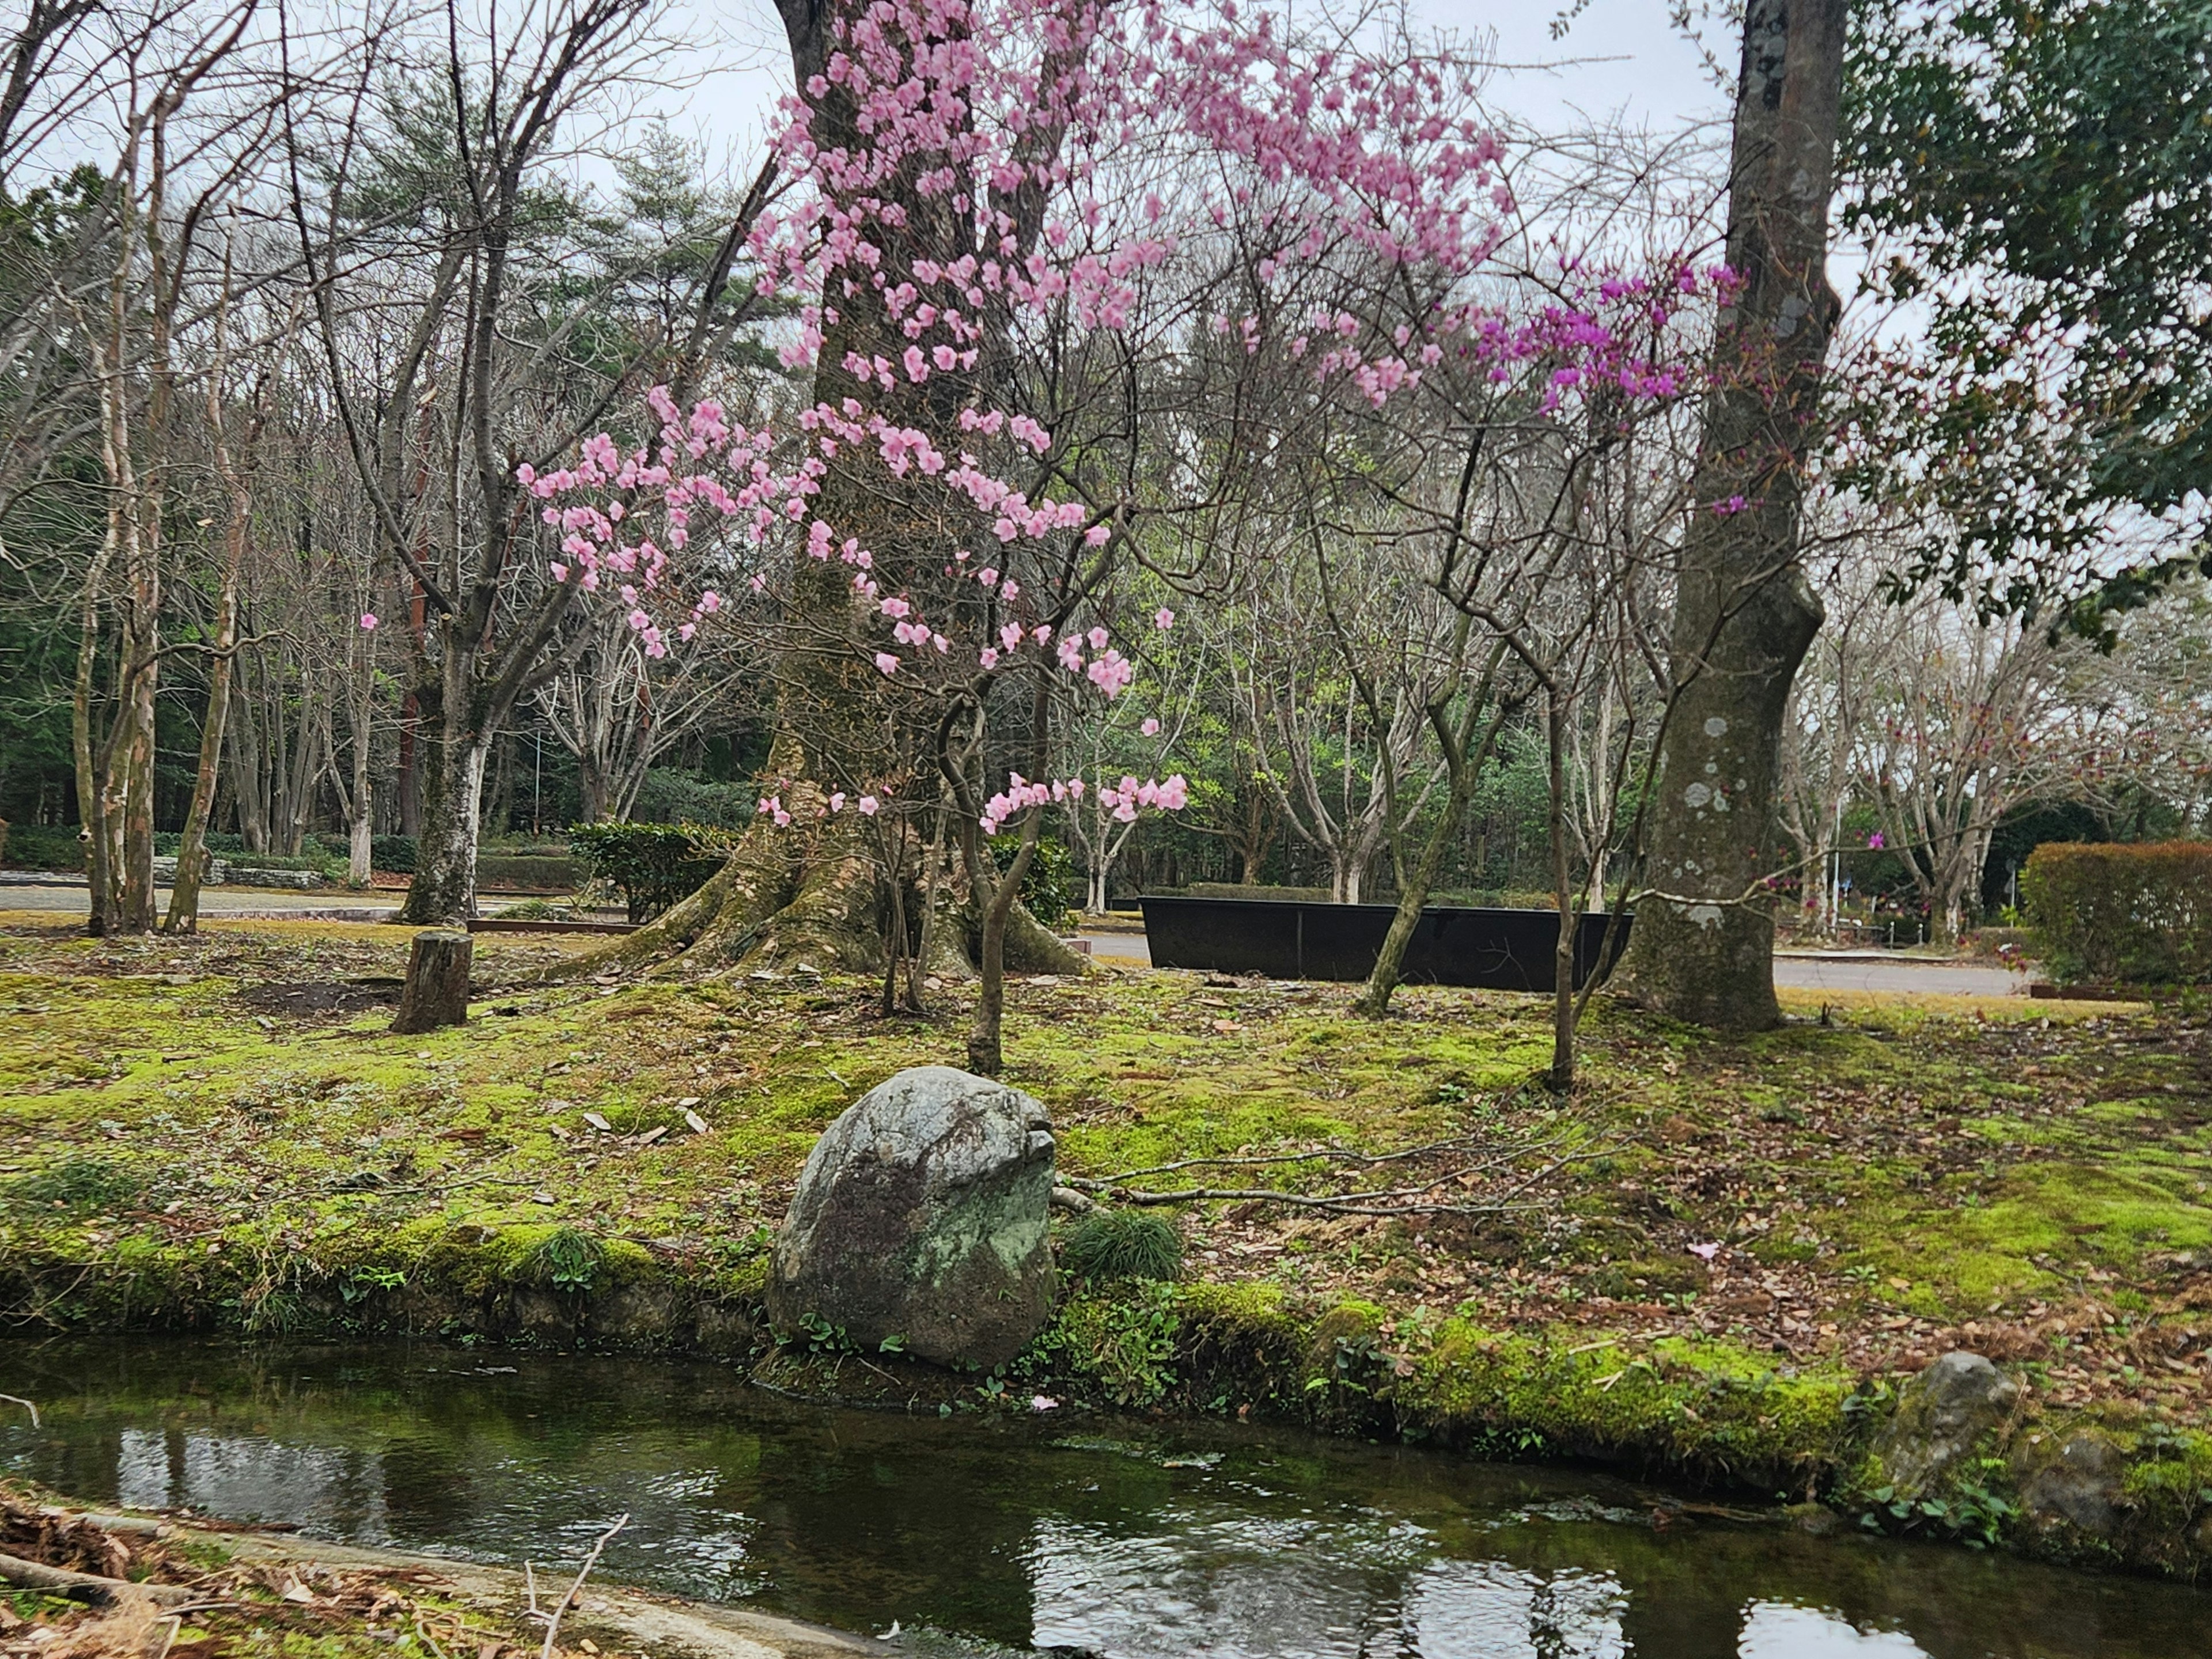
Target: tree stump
{"type": "Point", "coordinates": [437, 991]}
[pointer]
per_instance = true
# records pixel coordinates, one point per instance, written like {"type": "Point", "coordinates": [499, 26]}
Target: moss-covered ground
{"type": "Point", "coordinates": [219, 1132]}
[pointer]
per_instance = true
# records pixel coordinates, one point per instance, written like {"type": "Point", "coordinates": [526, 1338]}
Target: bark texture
{"type": "Point", "coordinates": [1703, 946]}
{"type": "Point", "coordinates": [437, 990]}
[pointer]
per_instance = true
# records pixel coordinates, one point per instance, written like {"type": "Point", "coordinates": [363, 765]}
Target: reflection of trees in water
{"type": "Point", "coordinates": [235, 1478]}
{"type": "Point", "coordinates": [1288, 1546]}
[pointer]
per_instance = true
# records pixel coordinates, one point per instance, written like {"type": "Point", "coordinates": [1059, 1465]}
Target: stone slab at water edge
{"type": "Point", "coordinates": [922, 1215]}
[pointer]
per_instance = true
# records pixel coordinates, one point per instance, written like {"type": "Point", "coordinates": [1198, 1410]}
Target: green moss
{"type": "Point", "coordinates": [1705, 1407]}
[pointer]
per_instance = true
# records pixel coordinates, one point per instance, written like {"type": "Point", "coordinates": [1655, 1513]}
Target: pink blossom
{"type": "Point", "coordinates": [867, 804]}
{"type": "Point", "coordinates": [1875, 841]}
{"type": "Point", "coordinates": [368, 622]}
{"type": "Point", "coordinates": [1706, 1252]}
{"type": "Point", "coordinates": [887, 663]}
{"type": "Point", "coordinates": [1151, 728]}
{"type": "Point", "coordinates": [1164, 619]}
{"type": "Point", "coordinates": [836, 800]}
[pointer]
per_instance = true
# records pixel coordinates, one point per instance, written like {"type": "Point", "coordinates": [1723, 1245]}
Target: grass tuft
{"type": "Point", "coordinates": [1113, 1244]}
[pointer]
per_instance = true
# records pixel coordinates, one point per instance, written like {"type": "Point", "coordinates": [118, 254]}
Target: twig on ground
{"type": "Point", "coordinates": [1405, 1200]}
{"type": "Point", "coordinates": [575, 1590]}
{"type": "Point", "coordinates": [17, 1400]}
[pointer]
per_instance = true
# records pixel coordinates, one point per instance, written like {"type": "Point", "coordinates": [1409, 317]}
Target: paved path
{"type": "Point", "coordinates": [1911, 977]}
{"type": "Point", "coordinates": [1899, 976]}
{"type": "Point", "coordinates": [333, 903]}
{"type": "Point", "coordinates": [1855, 972]}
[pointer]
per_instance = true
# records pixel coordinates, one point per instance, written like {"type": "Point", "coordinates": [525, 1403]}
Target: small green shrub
{"type": "Point", "coordinates": [2133, 913]}
{"type": "Point", "coordinates": [1120, 1346]}
{"type": "Point", "coordinates": [565, 1261]}
{"type": "Point", "coordinates": [652, 865]}
{"type": "Point", "coordinates": [1051, 885]}
{"type": "Point", "coordinates": [1111, 1244]}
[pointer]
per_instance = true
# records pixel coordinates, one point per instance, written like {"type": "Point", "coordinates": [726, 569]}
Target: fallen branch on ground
{"type": "Point", "coordinates": [575, 1590]}
{"type": "Point", "coordinates": [89, 1586]}
{"type": "Point", "coordinates": [1505, 1163]}
{"type": "Point", "coordinates": [1381, 1201]}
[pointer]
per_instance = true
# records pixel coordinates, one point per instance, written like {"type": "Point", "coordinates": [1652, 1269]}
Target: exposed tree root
{"type": "Point", "coordinates": [789, 902]}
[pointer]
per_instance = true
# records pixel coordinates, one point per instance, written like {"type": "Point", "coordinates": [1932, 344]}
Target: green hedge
{"type": "Point", "coordinates": [43, 847]}
{"type": "Point", "coordinates": [548, 872]}
{"type": "Point", "coordinates": [2131, 914]}
{"type": "Point", "coordinates": [651, 865]}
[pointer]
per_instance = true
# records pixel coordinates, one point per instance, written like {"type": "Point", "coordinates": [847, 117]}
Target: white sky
{"type": "Point", "coordinates": [1621, 59]}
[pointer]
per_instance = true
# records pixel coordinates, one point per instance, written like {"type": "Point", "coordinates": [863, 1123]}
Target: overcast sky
{"type": "Point", "coordinates": [1621, 57]}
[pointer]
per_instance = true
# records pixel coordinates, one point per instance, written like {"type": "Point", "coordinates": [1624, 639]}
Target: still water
{"type": "Point", "coordinates": [1052, 1532]}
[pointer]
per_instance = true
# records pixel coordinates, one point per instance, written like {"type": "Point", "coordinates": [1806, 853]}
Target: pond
{"type": "Point", "coordinates": [998, 1534]}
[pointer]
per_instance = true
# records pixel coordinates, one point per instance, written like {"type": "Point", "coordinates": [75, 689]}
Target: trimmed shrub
{"type": "Point", "coordinates": [549, 873]}
{"type": "Point", "coordinates": [651, 865]}
{"type": "Point", "coordinates": [2135, 913]}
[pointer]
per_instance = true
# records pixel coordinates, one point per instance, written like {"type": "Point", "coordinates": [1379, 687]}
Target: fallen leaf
{"type": "Point", "coordinates": [653, 1134]}
{"type": "Point", "coordinates": [698, 1124]}
{"type": "Point", "coordinates": [598, 1122]}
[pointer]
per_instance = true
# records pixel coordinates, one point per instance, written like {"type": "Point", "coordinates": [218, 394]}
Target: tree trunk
{"type": "Point", "coordinates": [985, 1057]}
{"type": "Point", "coordinates": [1703, 946]}
{"type": "Point", "coordinates": [1463, 767]}
{"type": "Point", "coordinates": [1562, 1077]}
{"type": "Point", "coordinates": [444, 888]}
{"type": "Point", "coordinates": [191, 863]}
{"type": "Point", "coordinates": [410, 794]}
{"type": "Point", "coordinates": [91, 773]}
{"type": "Point", "coordinates": [184, 916]}
{"type": "Point", "coordinates": [437, 990]}
{"type": "Point", "coordinates": [361, 804]}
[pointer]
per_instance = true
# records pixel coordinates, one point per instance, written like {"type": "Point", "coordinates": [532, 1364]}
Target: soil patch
{"type": "Point", "coordinates": [311, 998]}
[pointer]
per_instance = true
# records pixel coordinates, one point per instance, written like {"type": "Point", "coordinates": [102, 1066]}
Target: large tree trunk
{"type": "Point", "coordinates": [1703, 941]}
{"type": "Point", "coordinates": [817, 897]}
{"type": "Point", "coordinates": [444, 888]}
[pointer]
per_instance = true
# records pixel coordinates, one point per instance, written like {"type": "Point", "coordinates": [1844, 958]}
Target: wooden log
{"type": "Point", "coordinates": [88, 1586]}
{"type": "Point", "coordinates": [437, 991]}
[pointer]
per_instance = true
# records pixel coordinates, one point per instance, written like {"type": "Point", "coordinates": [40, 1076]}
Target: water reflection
{"type": "Point", "coordinates": [1137, 1544]}
{"type": "Point", "coordinates": [313, 1486]}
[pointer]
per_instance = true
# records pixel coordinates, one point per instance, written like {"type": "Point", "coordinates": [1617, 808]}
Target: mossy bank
{"type": "Point", "coordinates": [1724, 1257]}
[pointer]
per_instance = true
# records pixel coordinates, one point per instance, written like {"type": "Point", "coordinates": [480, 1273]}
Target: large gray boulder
{"type": "Point", "coordinates": [922, 1214]}
{"type": "Point", "coordinates": [1941, 1416]}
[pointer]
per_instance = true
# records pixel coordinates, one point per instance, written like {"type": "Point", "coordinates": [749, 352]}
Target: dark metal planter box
{"type": "Point", "coordinates": [1495, 949]}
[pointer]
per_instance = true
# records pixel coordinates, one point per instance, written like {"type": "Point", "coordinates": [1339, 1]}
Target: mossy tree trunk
{"type": "Point", "coordinates": [1703, 946]}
